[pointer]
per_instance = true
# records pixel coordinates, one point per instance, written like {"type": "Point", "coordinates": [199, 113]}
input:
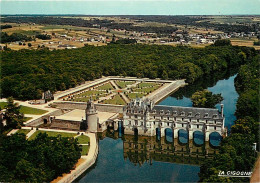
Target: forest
{"type": "Point", "coordinates": [28, 73]}
{"type": "Point", "coordinates": [38, 160]}
{"type": "Point", "coordinates": [236, 150]}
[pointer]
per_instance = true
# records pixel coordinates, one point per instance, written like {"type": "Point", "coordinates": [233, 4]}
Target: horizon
{"type": "Point", "coordinates": [131, 7]}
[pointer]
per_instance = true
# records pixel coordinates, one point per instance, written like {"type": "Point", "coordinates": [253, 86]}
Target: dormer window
{"type": "Point", "coordinates": [189, 114]}
{"type": "Point", "coordinates": [206, 115]}
{"type": "Point", "coordinates": [175, 112]}
{"type": "Point", "coordinates": [154, 111]}
{"type": "Point", "coordinates": [161, 111]}
{"type": "Point", "coordinates": [197, 115]}
{"type": "Point", "coordinates": [168, 112]}
{"type": "Point", "coordinates": [215, 116]}
{"type": "Point", "coordinates": [182, 113]}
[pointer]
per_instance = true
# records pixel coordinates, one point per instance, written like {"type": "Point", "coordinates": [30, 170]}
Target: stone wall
{"type": "Point", "coordinates": [159, 94]}
{"type": "Point", "coordinates": [40, 120]}
{"type": "Point", "coordinates": [83, 105]}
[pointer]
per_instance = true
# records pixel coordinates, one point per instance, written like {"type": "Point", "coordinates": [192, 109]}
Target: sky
{"type": "Point", "coordinates": [132, 7]}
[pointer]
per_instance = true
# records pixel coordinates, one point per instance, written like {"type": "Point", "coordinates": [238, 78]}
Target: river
{"type": "Point", "coordinates": [148, 160]}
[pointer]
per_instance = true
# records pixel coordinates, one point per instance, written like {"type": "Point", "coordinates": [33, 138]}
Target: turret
{"type": "Point", "coordinates": [222, 110]}
{"type": "Point", "coordinates": [91, 117]}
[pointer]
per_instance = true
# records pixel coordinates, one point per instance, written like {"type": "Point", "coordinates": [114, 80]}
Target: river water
{"type": "Point", "coordinates": [146, 159]}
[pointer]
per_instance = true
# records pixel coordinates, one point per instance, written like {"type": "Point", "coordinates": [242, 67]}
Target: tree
{"type": "Point", "coordinates": [14, 118]}
{"type": "Point", "coordinates": [29, 44]}
{"type": "Point", "coordinates": [38, 160]}
{"type": "Point", "coordinates": [205, 99]}
{"type": "Point", "coordinates": [222, 42]}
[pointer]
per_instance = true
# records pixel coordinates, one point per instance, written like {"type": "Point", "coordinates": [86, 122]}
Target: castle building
{"type": "Point", "coordinates": [142, 117]}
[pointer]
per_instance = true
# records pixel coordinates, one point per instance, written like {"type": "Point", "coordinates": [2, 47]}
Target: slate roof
{"type": "Point", "coordinates": [191, 112]}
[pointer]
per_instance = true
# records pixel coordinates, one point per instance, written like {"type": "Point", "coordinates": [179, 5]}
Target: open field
{"type": "Point", "coordinates": [52, 134]}
{"type": "Point", "coordinates": [26, 110]}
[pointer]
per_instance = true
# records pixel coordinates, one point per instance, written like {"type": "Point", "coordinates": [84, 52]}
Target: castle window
{"type": "Point", "coordinates": [142, 123]}
{"type": "Point", "coordinates": [161, 117]}
{"type": "Point", "coordinates": [175, 112]}
{"type": "Point", "coordinates": [215, 127]}
{"type": "Point", "coordinates": [189, 114]}
{"type": "Point", "coordinates": [168, 124]}
{"type": "Point", "coordinates": [197, 115]}
{"type": "Point", "coordinates": [198, 126]}
{"type": "Point", "coordinates": [136, 122]}
{"type": "Point", "coordinates": [168, 118]}
{"type": "Point", "coordinates": [182, 113]}
{"type": "Point", "coordinates": [206, 115]}
{"type": "Point", "coordinates": [153, 117]}
{"type": "Point", "coordinates": [182, 125]}
{"type": "Point", "coordinates": [135, 116]}
{"type": "Point", "coordinates": [198, 120]}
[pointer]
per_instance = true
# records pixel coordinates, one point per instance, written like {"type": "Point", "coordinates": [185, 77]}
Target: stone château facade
{"type": "Point", "coordinates": [142, 117]}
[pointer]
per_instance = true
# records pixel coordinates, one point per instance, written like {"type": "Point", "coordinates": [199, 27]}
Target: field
{"type": "Point", "coordinates": [52, 134]}
{"type": "Point", "coordinates": [26, 110]}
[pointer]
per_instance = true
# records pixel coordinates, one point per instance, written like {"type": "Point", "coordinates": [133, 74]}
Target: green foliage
{"type": "Point", "coordinates": [14, 118]}
{"type": "Point", "coordinates": [39, 160]}
{"type": "Point", "coordinates": [205, 99]}
{"type": "Point", "coordinates": [5, 38]}
{"type": "Point", "coordinates": [27, 73]}
{"type": "Point", "coordinates": [236, 154]}
{"type": "Point", "coordinates": [52, 134]}
{"type": "Point", "coordinates": [5, 26]}
{"type": "Point", "coordinates": [43, 36]}
{"type": "Point", "coordinates": [222, 42]}
{"type": "Point", "coordinates": [125, 41]}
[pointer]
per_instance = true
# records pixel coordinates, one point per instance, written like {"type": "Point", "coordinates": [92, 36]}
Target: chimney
{"type": "Point", "coordinates": [222, 110]}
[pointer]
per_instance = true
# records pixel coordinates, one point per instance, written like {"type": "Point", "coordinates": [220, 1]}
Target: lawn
{"type": "Point", "coordinates": [52, 134]}
{"type": "Point", "coordinates": [27, 118]}
{"type": "Point", "coordinates": [83, 139]}
{"type": "Point", "coordinates": [135, 95]}
{"type": "Point", "coordinates": [30, 110]}
{"type": "Point", "coordinates": [123, 84]}
{"type": "Point", "coordinates": [84, 150]}
{"type": "Point", "coordinates": [117, 100]}
{"type": "Point", "coordinates": [26, 110]}
{"type": "Point", "coordinates": [24, 131]}
{"type": "Point", "coordinates": [106, 86]}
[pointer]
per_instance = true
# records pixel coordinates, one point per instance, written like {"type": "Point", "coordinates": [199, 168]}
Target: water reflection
{"type": "Point", "coordinates": [167, 149]}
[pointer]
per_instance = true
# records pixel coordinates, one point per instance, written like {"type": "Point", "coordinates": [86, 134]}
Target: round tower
{"type": "Point", "coordinates": [91, 117]}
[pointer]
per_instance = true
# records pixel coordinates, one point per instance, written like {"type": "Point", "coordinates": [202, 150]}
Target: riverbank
{"type": "Point", "coordinates": [83, 163]}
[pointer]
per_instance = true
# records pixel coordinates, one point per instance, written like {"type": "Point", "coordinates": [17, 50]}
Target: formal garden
{"type": "Point", "coordinates": [117, 92]}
